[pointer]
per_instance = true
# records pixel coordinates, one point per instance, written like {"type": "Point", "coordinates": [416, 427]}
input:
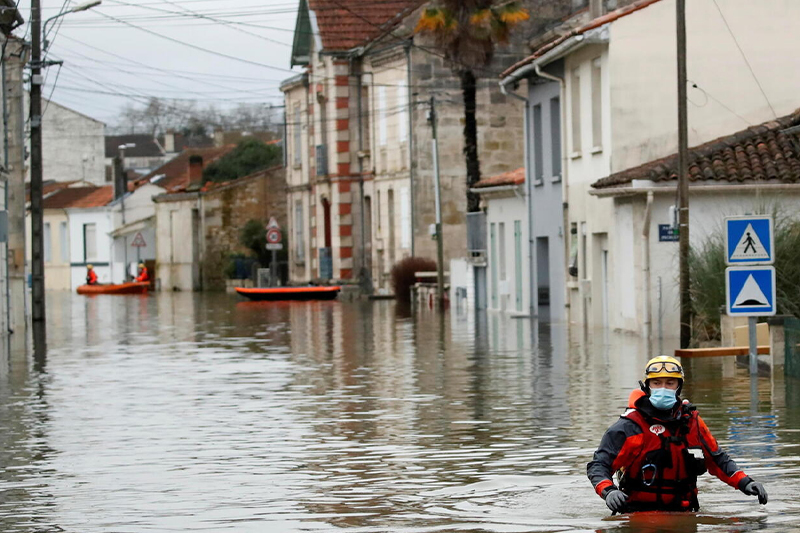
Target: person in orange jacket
{"type": "Point", "coordinates": [143, 276]}
{"type": "Point", "coordinates": [660, 445]}
{"type": "Point", "coordinates": [91, 275]}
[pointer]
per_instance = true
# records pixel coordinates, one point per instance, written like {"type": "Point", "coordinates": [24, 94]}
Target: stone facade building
{"type": "Point", "coordinates": [198, 225]}
{"type": "Point", "coordinates": [360, 175]}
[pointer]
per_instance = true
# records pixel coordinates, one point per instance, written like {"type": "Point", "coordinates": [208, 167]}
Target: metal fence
{"type": "Point", "coordinates": [792, 338]}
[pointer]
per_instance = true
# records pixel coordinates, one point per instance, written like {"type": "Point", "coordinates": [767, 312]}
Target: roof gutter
{"type": "Point", "coordinates": [498, 188]}
{"type": "Point", "coordinates": [747, 187]}
{"type": "Point", "coordinates": [597, 35]}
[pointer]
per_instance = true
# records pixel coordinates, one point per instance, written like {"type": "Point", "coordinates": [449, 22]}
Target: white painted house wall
{"type": "Point", "coordinates": [507, 289]}
{"type": "Point", "coordinates": [140, 212]}
{"type": "Point", "coordinates": [73, 146]}
{"type": "Point", "coordinates": [642, 58]}
{"type": "Point", "coordinates": [101, 259]}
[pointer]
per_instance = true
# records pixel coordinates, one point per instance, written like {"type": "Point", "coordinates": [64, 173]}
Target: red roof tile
{"type": "Point", "coordinates": [512, 177]}
{"type": "Point", "coordinates": [79, 197]}
{"type": "Point", "coordinates": [764, 153]}
{"type": "Point", "coordinates": [176, 170]}
{"type": "Point", "coordinates": [346, 24]}
{"type": "Point", "coordinates": [596, 23]}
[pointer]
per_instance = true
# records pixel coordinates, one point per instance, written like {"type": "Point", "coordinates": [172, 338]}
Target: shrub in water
{"type": "Point", "coordinates": [403, 275]}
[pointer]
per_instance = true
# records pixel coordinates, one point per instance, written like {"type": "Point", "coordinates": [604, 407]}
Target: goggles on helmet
{"type": "Point", "coordinates": [665, 366]}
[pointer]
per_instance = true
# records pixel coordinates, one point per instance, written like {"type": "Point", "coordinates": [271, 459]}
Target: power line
{"type": "Point", "coordinates": [749, 67]}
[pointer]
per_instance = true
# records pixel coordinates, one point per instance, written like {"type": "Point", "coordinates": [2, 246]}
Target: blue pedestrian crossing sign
{"type": "Point", "coordinates": [749, 240]}
{"type": "Point", "coordinates": [750, 291]}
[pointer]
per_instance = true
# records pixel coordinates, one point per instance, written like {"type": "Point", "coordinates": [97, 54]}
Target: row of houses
{"type": "Point", "coordinates": [577, 137]}
{"type": "Point", "coordinates": [583, 231]}
{"type": "Point", "coordinates": [182, 227]}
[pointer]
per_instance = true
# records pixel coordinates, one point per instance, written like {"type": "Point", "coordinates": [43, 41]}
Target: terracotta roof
{"type": "Point", "coordinates": [346, 24]}
{"type": "Point", "coordinates": [176, 170]}
{"type": "Point", "coordinates": [764, 153]}
{"type": "Point", "coordinates": [79, 197]}
{"type": "Point", "coordinates": [48, 188]}
{"type": "Point", "coordinates": [596, 23]}
{"type": "Point", "coordinates": [512, 177]}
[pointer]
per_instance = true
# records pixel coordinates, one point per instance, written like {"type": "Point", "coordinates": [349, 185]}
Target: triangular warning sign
{"type": "Point", "coordinates": [138, 241]}
{"type": "Point", "coordinates": [751, 295]}
{"type": "Point", "coordinates": [749, 247]}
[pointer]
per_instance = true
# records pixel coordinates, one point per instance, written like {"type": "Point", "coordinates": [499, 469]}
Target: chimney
{"type": "Point", "coordinates": [169, 142]}
{"type": "Point", "coordinates": [195, 169]}
{"type": "Point", "coordinates": [596, 8]}
{"type": "Point", "coordinates": [119, 178]}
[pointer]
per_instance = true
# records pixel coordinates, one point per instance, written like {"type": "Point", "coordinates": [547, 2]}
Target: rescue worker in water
{"type": "Point", "coordinates": [659, 446]}
{"type": "Point", "coordinates": [143, 275]}
{"type": "Point", "coordinates": [91, 275]}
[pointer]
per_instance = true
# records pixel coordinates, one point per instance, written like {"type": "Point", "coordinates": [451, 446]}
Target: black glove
{"type": "Point", "coordinates": [616, 500]}
{"type": "Point", "coordinates": [754, 488]}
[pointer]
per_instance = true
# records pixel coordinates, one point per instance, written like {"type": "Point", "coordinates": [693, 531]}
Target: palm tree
{"type": "Point", "coordinates": [468, 32]}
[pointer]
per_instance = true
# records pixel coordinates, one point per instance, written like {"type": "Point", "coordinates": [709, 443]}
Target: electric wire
{"type": "Point", "coordinates": [747, 62]}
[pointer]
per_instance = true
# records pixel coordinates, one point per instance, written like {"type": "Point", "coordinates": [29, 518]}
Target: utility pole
{"type": "Point", "coordinates": [37, 241]}
{"type": "Point", "coordinates": [438, 196]}
{"type": "Point", "coordinates": [683, 180]}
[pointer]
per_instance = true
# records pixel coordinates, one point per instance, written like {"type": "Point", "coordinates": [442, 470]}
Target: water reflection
{"type": "Point", "coordinates": [200, 412]}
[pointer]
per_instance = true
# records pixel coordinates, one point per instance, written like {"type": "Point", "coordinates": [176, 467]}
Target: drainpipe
{"type": "Point", "coordinates": [648, 304]}
{"type": "Point", "coordinates": [564, 170]}
{"type": "Point", "coordinates": [533, 294]}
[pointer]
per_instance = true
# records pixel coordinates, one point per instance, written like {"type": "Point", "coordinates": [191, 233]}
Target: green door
{"type": "Point", "coordinates": [518, 262]}
{"type": "Point", "coordinates": [493, 261]}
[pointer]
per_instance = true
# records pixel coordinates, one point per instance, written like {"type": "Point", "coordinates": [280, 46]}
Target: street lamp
{"type": "Point", "coordinates": [80, 7]}
{"type": "Point", "coordinates": [37, 222]}
{"type": "Point", "coordinates": [120, 190]}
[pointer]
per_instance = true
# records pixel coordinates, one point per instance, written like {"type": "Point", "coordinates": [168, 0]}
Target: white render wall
{"type": "Point", "coordinates": [102, 260]}
{"type": "Point", "coordinates": [176, 268]}
{"type": "Point", "coordinates": [643, 62]}
{"type": "Point", "coordinates": [507, 209]}
{"type": "Point", "coordinates": [593, 217]}
{"type": "Point", "coordinates": [707, 211]}
{"type": "Point", "coordinates": [73, 146]}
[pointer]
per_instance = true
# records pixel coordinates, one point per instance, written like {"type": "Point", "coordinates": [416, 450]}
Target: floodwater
{"type": "Point", "coordinates": [199, 412]}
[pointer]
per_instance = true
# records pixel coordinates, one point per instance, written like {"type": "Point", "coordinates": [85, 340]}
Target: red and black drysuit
{"type": "Point", "coordinates": [659, 455]}
{"type": "Point", "coordinates": [91, 277]}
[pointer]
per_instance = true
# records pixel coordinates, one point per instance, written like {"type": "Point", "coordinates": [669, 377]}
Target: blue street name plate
{"type": "Point", "coordinates": [667, 234]}
{"type": "Point", "coordinates": [749, 240]}
{"type": "Point", "coordinates": [750, 291]}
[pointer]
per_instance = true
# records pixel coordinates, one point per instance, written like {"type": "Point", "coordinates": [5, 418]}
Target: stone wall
{"type": "Point", "coordinates": [500, 143]}
{"type": "Point", "coordinates": [226, 210]}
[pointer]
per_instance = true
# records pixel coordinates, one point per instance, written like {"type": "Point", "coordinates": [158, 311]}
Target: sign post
{"type": "Point", "coordinates": [274, 243]}
{"type": "Point", "coordinates": [138, 243]}
{"type": "Point", "coordinates": [750, 283]}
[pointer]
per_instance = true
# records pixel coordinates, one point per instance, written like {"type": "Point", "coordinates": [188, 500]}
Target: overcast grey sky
{"type": "Point", "coordinates": [110, 59]}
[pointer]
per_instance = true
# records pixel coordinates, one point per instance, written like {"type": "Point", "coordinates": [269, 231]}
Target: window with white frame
{"type": "Point", "coordinates": [48, 252]}
{"type": "Point", "coordinates": [405, 218]}
{"type": "Point", "coordinates": [402, 116]}
{"type": "Point", "coordinates": [538, 151]}
{"type": "Point", "coordinates": [555, 137]}
{"type": "Point", "coordinates": [501, 245]}
{"type": "Point", "coordinates": [299, 233]}
{"type": "Point", "coordinates": [63, 242]}
{"type": "Point", "coordinates": [382, 127]}
{"type": "Point", "coordinates": [89, 242]}
{"type": "Point", "coordinates": [597, 105]}
{"type": "Point", "coordinates": [298, 137]}
{"type": "Point", "coordinates": [575, 106]}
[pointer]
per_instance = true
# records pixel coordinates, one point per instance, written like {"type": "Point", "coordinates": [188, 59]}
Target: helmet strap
{"type": "Point", "coordinates": [644, 387]}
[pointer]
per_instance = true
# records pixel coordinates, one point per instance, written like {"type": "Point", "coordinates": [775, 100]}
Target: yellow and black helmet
{"type": "Point", "coordinates": [663, 366]}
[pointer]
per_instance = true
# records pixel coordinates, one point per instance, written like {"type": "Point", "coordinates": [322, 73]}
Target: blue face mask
{"type": "Point", "coordinates": [663, 398]}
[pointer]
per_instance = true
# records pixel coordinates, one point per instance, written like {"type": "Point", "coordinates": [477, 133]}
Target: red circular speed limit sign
{"type": "Point", "coordinates": [274, 236]}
